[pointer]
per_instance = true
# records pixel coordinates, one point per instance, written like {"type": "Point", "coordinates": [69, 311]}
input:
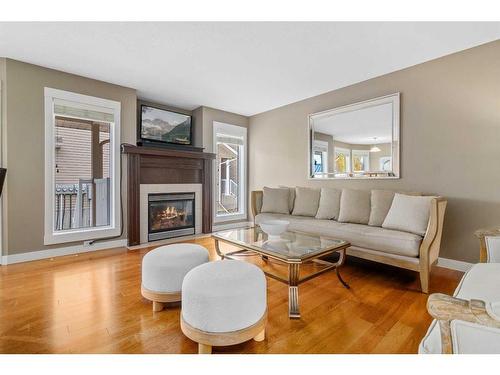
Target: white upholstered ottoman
{"type": "Point", "coordinates": [164, 268]}
{"type": "Point", "coordinates": [224, 303]}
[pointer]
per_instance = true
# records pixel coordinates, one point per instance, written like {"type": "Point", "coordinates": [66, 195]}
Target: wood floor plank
{"type": "Point", "coordinates": [91, 303]}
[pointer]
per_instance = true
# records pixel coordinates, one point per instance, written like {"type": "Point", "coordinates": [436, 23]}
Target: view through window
{"type": "Point", "coordinates": [82, 181]}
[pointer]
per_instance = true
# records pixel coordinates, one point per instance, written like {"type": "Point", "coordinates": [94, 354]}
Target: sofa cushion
{"type": "Point", "coordinates": [275, 200]}
{"type": "Point", "coordinates": [354, 206]}
{"type": "Point", "coordinates": [329, 204]}
{"type": "Point", "coordinates": [477, 283]}
{"type": "Point", "coordinates": [381, 201]}
{"type": "Point", "coordinates": [306, 201]}
{"type": "Point", "coordinates": [359, 235]}
{"type": "Point", "coordinates": [409, 214]}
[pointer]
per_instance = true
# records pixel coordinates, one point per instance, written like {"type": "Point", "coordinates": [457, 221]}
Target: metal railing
{"type": "Point", "coordinates": [228, 187]}
{"type": "Point", "coordinates": [73, 205]}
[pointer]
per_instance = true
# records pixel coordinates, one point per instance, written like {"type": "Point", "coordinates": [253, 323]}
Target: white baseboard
{"type": "Point", "coordinates": [61, 251]}
{"type": "Point", "coordinates": [241, 224]}
{"type": "Point", "coordinates": [453, 264]}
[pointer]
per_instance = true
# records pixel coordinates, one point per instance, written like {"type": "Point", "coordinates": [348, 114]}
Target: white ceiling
{"type": "Point", "coordinates": [245, 68]}
{"type": "Point", "coordinates": [367, 126]}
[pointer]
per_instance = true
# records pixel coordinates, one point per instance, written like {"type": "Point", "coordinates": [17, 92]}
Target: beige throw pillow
{"type": "Point", "coordinates": [329, 204]}
{"type": "Point", "coordinates": [306, 201]}
{"type": "Point", "coordinates": [381, 201]}
{"type": "Point", "coordinates": [409, 214]}
{"type": "Point", "coordinates": [291, 197]}
{"type": "Point", "coordinates": [354, 206]}
{"type": "Point", "coordinates": [275, 200]}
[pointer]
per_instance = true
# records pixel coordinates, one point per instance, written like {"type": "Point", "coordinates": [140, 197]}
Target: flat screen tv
{"type": "Point", "coordinates": [164, 126]}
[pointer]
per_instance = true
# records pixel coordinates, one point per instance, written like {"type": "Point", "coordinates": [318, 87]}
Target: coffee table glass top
{"type": "Point", "coordinates": [289, 246]}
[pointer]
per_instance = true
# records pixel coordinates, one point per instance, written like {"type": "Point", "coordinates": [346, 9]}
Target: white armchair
{"type": "Point", "coordinates": [469, 322]}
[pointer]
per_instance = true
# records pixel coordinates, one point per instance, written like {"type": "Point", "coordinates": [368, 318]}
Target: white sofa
{"type": "Point", "coordinates": [469, 322]}
{"type": "Point", "coordinates": [393, 247]}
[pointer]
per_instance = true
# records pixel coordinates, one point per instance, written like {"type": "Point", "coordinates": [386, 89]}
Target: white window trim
{"type": "Point", "coordinates": [83, 234]}
{"type": "Point", "coordinates": [235, 131]}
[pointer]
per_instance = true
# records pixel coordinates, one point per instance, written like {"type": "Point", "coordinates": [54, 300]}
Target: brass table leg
{"type": "Point", "coordinates": [217, 249]}
{"type": "Point", "coordinates": [340, 262]}
{"type": "Point", "coordinates": [293, 291]}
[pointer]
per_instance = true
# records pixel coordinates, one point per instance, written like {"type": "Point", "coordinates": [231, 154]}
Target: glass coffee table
{"type": "Point", "coordinates": [293, 249]}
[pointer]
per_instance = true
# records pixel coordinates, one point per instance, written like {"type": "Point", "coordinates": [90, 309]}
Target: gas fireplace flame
{"type": "Point", "coordinates": [170, 213]}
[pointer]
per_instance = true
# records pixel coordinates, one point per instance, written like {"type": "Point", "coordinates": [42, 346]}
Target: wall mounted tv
{"type": "Point", "coordinates": [163, 126]}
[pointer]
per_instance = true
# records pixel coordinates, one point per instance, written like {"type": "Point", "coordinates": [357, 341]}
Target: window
{"type": "Point", "coordinates": [230, 172]}
{"type": "Point", "coordinates": [360, 161]}
{"type": "Point", "coordinates": [342, 160]}
{"type": "Point", "coordinates": [385, 164]}
{"type": "Point", "coordinates": [320, 149]}
{"type": "Point", "coordinates": [82, 167]}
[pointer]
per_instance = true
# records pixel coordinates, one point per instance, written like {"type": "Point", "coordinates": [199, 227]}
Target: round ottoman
{"type": "Point", "coordinates": [224, 303]}
{"type": "Point", "coordinates": [164, 268]}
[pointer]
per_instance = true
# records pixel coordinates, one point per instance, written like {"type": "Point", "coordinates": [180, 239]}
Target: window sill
{"type": "Point", "coordinates": [80, 235]}
{"type": "Point", "coordinates": [230, 217]}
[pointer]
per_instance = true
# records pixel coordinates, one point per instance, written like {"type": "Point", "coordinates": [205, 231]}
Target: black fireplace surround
{"type": "Point", "coordinates": [170, 215]}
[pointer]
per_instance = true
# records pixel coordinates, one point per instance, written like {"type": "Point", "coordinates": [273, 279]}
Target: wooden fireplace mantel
{"type": "Point", "coordinates": [149, 165]}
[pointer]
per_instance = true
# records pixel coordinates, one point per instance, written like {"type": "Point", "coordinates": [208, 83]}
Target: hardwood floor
{"type": "Point", "coordinates": [91, 303]}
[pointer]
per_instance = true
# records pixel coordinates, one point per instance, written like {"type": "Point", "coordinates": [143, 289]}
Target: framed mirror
{"type": "Point", "coordinates": [356, 141]}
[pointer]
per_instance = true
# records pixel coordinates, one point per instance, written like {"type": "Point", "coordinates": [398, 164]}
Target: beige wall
{"type": "Point", "coordinates": [450, 137]}
{"type": "Point", "coordinates": [209, 115]}
{"type": "Point", "coordinates": [25, 139]}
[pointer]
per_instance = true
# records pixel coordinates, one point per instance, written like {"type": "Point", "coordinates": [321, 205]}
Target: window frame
{"type": "Point", "coordinates": [85, 102]}
{"type": "Point", "coordinates": [347, 154]}
{"type": "Point", "coordinates": [234, 131]}
{"type": "Point", "coordinates": [362, 153]}
{"type": "Point", "coordinates": [322, 146]}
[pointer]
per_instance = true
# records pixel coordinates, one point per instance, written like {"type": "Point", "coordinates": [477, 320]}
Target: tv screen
{"type": "Point", "coordinates": [160, 125]}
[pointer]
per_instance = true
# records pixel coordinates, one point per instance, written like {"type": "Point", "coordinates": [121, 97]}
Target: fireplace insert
{"type": "Point", "coordinates": [170, 215]}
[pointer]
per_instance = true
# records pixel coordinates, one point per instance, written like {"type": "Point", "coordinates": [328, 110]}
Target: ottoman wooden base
{"type": "Point", "coordinates": [206, 340]}
{"type": "Point", "coordinates": [159, 299]}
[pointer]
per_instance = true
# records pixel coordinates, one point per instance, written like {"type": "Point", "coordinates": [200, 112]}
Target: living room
{"type": "Point", "coordinates": [249, 188]}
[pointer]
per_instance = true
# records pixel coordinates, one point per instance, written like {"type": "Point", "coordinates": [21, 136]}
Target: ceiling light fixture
{"type": "Point", "coordinates": [374, 148]}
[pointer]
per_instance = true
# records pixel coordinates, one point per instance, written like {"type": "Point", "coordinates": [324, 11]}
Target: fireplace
{"type": "Point", "coordinates": [170, 215]}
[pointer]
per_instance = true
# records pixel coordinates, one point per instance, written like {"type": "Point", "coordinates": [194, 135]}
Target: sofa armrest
{"type": "Point", "coordinates": [256, 202]}
{"type": "Point", "coordinates": [431, 243]}
{"type": "Point", "coordinates": [489, 251]}
{"type": "Point", "coordinates": [446, 308]}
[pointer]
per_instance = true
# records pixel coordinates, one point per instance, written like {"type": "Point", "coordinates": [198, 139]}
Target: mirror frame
{"type": "Point", "coordinates": [395, 154]}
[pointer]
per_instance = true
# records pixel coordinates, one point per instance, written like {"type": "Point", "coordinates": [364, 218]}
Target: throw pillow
{"type": "Point", "coordinates": [275, 200]}
{"type": "Point", "coordinates": [291, 197]}
{"type": "Point", "coordinates": [306, 201]}
{"type": "Point", "coordinates": [329, 204]}
{"type": "Point", "coordinates": [354, 206]}
{"type": "Point", "coordinates": [381, 201]}
{"type": "Point", "coordinates": [409, 214]}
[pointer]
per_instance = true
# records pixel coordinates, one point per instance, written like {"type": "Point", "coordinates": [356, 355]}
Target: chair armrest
{"type": "Point", "coordinates": [446, 308]}
{"type": "Point", "coordinates": [431, 243]}
{"type": "Point", "coordinates": [487, 239]}
{"type": "Point", "coordinates": [256, 202]}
